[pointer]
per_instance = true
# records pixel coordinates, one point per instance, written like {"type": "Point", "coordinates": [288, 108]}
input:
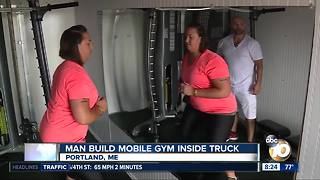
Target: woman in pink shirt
{"type": "Point", "coordinates": [211, 106]}
{"type": "Point", "coordinates": [75, 102]}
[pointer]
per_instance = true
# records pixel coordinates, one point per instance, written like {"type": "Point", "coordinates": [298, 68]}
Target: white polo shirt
{"type": "Point", "coordinates": [240, 59]}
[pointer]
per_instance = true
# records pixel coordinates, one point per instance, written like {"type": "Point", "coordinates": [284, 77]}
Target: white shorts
{"type": "Point", "coordinates": [247, 102]}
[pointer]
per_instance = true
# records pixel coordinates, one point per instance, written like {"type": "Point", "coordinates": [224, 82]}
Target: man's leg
{"type": "Point", "coordinates": [248, 104]}
{"type": "Point", "coordinates": [250, 112]}
{"type": "Point", "coordinates": [251, 129]}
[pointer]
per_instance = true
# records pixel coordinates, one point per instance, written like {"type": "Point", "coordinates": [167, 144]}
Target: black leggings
{"type": "Point", "coordinates": [200, 127]}
{"type": "Point", "coordinates": [85, 175]}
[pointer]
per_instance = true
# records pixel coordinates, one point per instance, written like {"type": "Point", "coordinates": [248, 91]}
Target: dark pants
{"type": "Point", "coordinates": [202, 127]}
{"type": "Point", "coordinates": [85, 175]}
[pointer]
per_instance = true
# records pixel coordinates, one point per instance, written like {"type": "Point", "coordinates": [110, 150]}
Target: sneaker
{"type": "Point", "coordinates": [233, 178]}
{"type": "Point", "coordinates": [233, 136]}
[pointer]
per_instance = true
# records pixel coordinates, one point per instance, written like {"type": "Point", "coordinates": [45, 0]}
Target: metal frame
{"type": "Point", "coordinates": [29, 128]}
{"type": "Point", "coordinates": [37, 14]}
{"type": "Point", "coordinates": [7, 96]}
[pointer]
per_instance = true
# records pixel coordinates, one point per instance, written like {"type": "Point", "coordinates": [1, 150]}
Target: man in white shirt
{"type": "Point", "coordinates": [244, 57]}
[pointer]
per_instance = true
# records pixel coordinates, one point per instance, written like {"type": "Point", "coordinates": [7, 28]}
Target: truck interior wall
{"type": "Point", "coordinates": [309, 147]}
{"type": "Point", "coordinates": [286, 40]}
{"type": "Point", "coordinates": [123, 41]}
{"type": "Point", "coordinates": [92, 19]}
{"type": "Point", "coordinates": [286, 68]}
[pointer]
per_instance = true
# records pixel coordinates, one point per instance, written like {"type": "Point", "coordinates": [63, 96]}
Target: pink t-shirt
{"type": "Point", "coordinates": [70, 81]}
{"type": "Point", "coordinates": [206, 67]}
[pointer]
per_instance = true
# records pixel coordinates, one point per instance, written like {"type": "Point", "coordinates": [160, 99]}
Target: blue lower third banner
{"type": "Point", "coordinates": [289, 167]}
{"type": "Point", "coordinates": [66, 166]}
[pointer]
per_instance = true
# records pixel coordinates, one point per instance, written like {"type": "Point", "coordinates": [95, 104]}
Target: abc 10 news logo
{"type": "Point", "coordinates": [279, 149]}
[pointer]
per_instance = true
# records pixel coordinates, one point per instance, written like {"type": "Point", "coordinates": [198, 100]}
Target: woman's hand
{"type": "Point", "coordinates": [186, 89]}
{"type": "Point", "coordinates": [102, 104]}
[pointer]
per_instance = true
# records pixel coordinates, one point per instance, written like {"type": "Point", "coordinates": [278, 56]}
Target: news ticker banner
{"type": "Point", "coordinates": [147, 166]}
{"type": "Point", "coordinates": [162, 166]}
{"type": "Point", "coordinates": [242, 152]}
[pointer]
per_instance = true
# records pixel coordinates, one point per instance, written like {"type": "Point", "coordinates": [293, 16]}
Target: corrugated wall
{"type": "Point", "coordinates": [199, 3]}
{"type": "Point", "coordinates": [309, 155]}
{"type": "Point", "coordinates": [286, 40]}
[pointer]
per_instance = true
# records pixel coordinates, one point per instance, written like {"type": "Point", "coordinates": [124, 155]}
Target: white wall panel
{"type": "Point", "coordinates": [88, 15]}
{"type": "Point", "coordinates": [286, 40]}
{"type": "Point", "coordinates": [309, 154]}
{"type": "Point", "coordinates": [123, 59]}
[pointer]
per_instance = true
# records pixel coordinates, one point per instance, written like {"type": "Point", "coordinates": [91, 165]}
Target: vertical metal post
{"type": "Point", "coordinates": [36, 19]}
{"type": "Point", "coordinates": [14, 55]}
{"type": "Point", "coordinates": [5, 88]}
{"type": "Point", "coordinates": [252, 22]}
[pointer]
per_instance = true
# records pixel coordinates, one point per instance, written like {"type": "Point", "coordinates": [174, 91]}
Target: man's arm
{"type": "Point", "coordinates": [258, 68]}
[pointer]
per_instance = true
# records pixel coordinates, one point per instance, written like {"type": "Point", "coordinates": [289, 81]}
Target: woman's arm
{"type": "Point", "coordinates": [82, 112]}
{"type": "Point", "coordinates": [221, 88]}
